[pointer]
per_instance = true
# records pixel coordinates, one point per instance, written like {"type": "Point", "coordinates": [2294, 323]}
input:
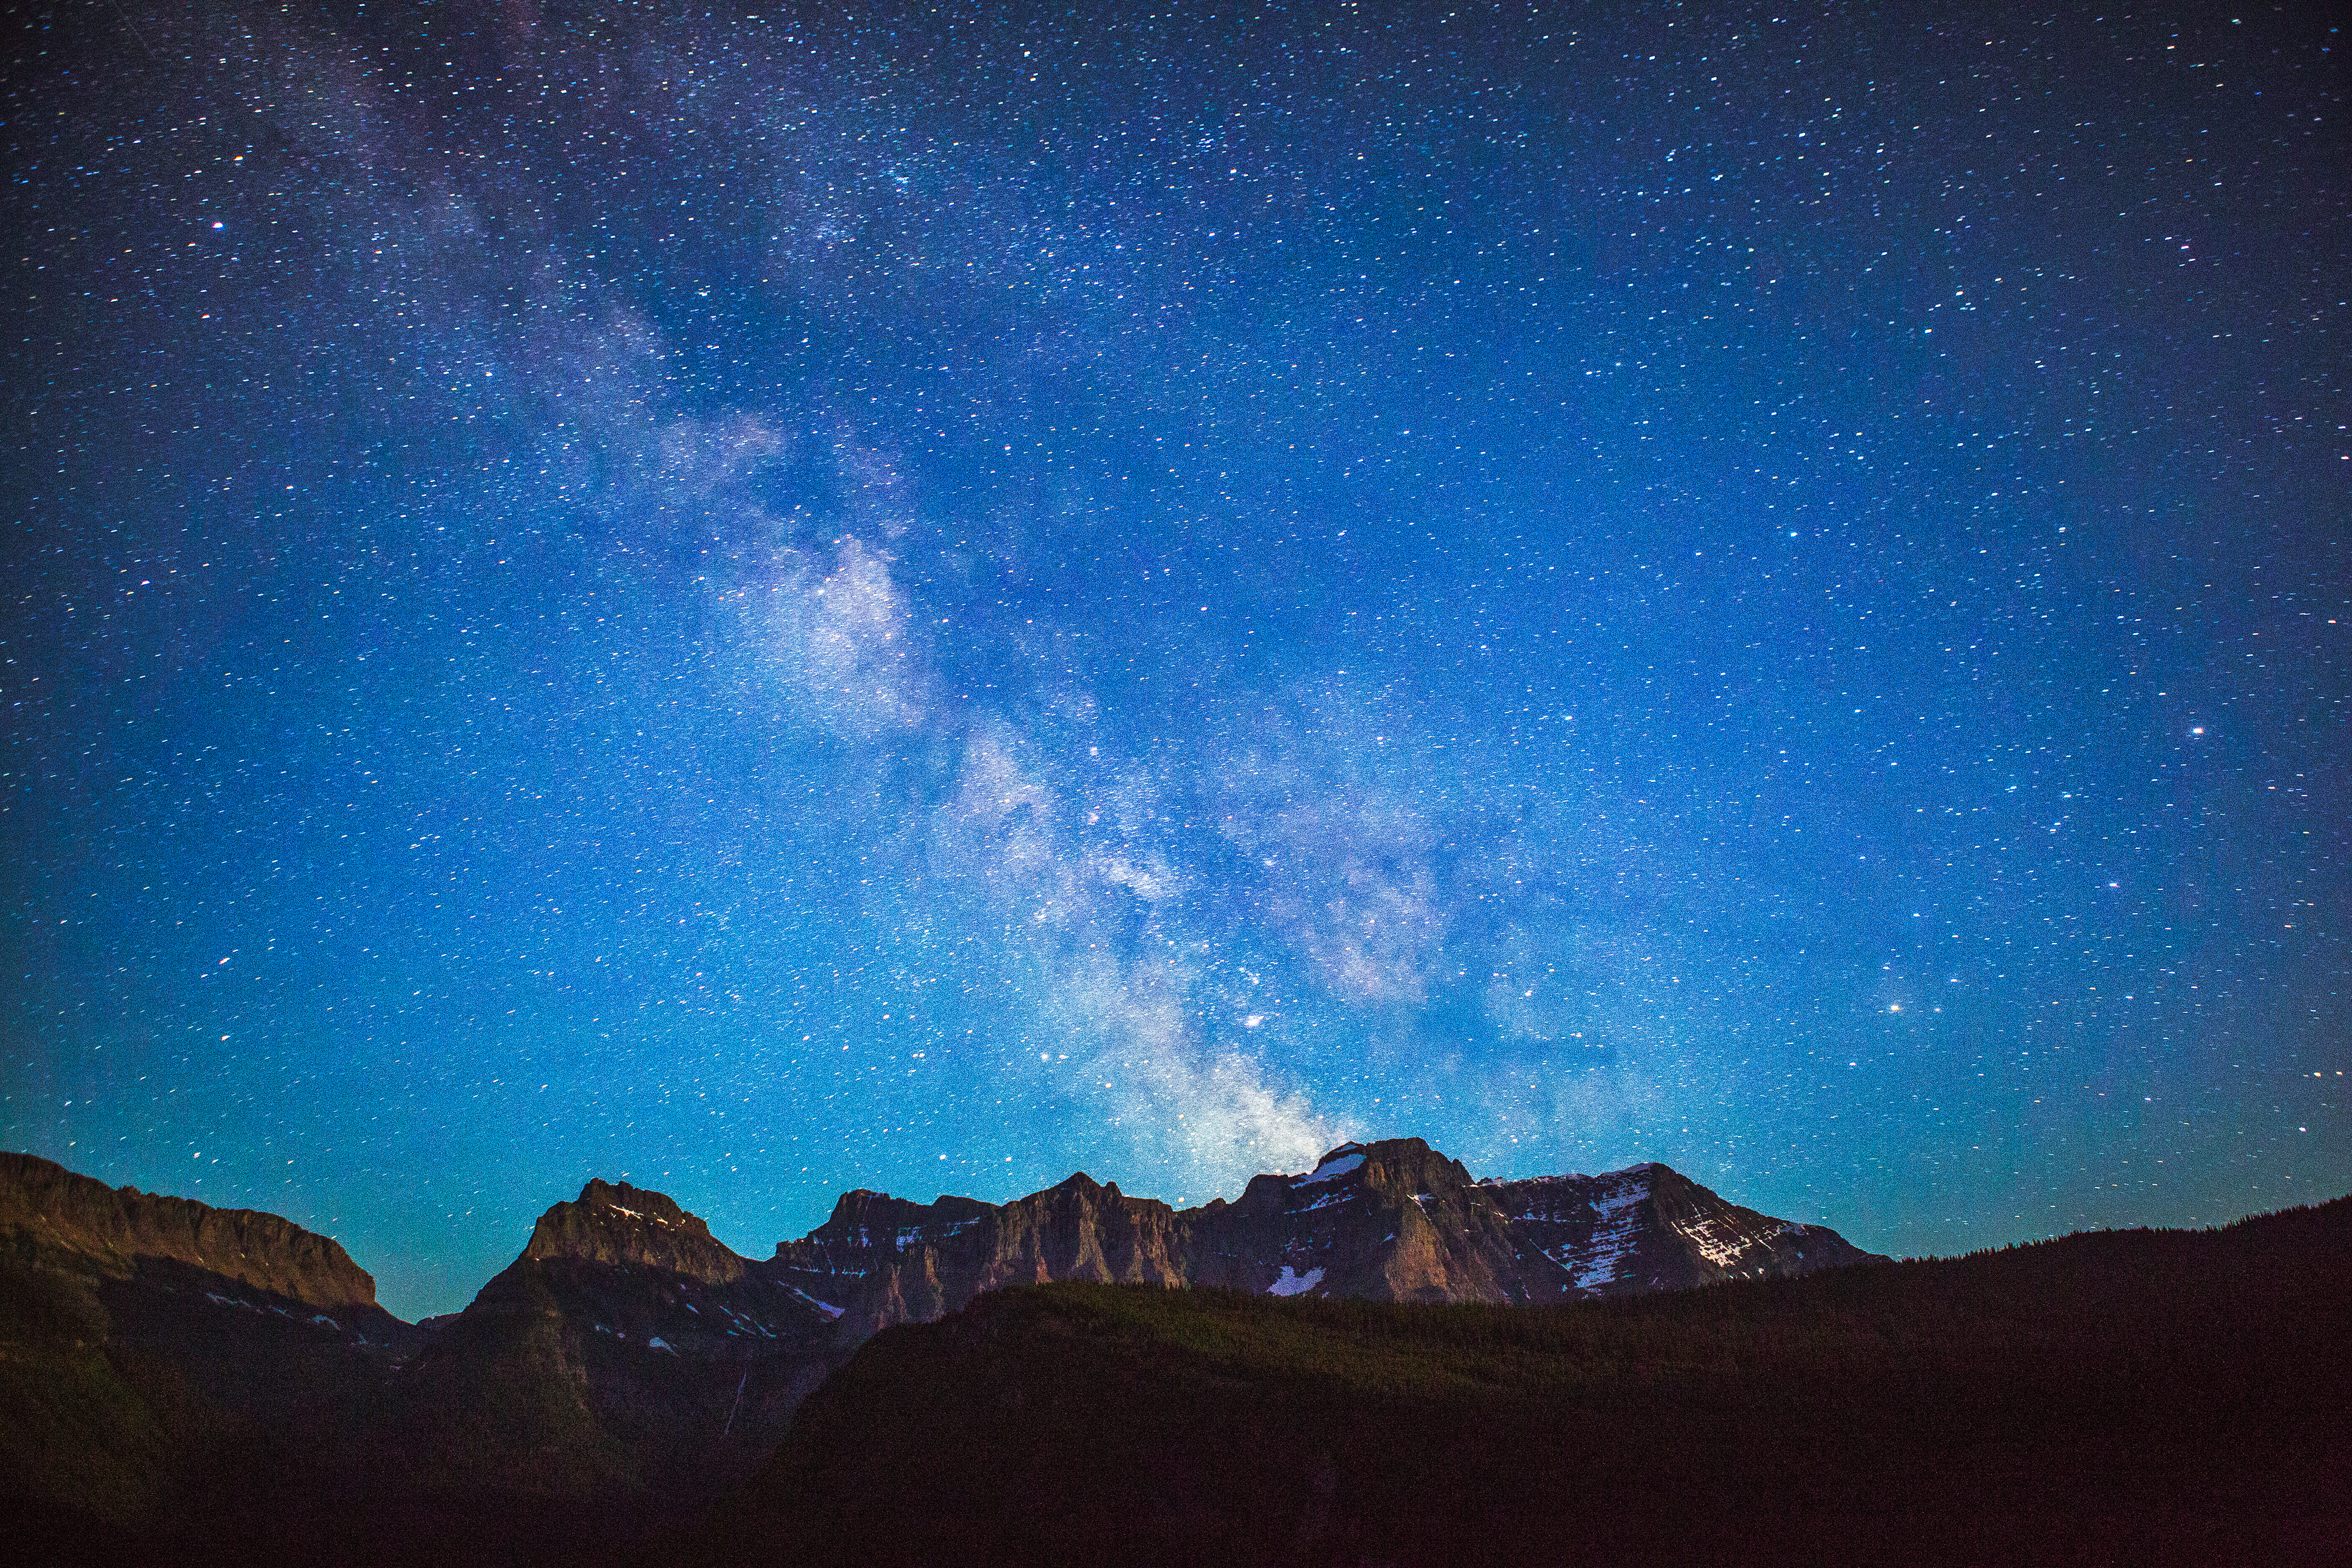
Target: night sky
{"type": "Point", "coordinates": [843, 596]}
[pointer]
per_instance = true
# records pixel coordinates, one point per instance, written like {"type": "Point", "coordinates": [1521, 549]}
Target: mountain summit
{"type": "Point", "coordinates": [613, 1222]}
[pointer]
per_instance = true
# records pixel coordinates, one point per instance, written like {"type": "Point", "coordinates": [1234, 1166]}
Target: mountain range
{"type": "Point", "coordinates": [163, 1359]}
{"type": "Point", "coordinates": [1378, 1361]}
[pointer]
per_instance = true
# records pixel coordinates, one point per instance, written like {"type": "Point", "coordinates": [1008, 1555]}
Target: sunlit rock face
{"type": "Point", "coordinates": [631, 1263]}
{"type": "Point", "coordinates": [880, 1260]}
{"type": "Point", "coordinates": [1393, 1221]}
{"type": "Point", "coordinates": [616, 1223]}
{"type": "Point", "coordinates": [49, 1211]}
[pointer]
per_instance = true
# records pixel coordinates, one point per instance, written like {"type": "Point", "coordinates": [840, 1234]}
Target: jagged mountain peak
{"type": "Point", "coordinates": [1085, 1189]}
{"type": "Point", "coordinates": [637, 1203]}
{"type": "Point", "coordinates": [1389, 1161]}
{"type": "Point", "coordinates": [866, 1211]}
{"type": "Point", "coordinates": [1649, 1227]}
{"type": "Point", "coordinates": [613, 1222]}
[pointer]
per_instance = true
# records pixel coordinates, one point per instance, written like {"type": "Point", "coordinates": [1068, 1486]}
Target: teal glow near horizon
{"type": "Point", "coordinates": [926, 599]}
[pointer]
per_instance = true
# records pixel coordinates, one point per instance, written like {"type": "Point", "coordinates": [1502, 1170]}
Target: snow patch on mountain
{"type": "Point", "coordinates": [1718, 1249]}
{"type": "Point", "coordinates": [1292, 1283]}
{"type": "Point", "coordinates": [1596, 1263]}
{"type": "Point", "coordinates": [1342, 1161]}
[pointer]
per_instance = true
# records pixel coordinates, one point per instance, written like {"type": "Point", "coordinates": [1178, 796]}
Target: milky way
{"type": "Point", "coordinates": [925, 598]}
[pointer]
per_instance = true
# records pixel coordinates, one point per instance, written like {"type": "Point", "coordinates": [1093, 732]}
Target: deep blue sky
{"type": "Point", "coordinates": [925, 598]}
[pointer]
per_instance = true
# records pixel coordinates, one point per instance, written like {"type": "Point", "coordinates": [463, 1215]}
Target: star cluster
{"type": "Point", "coordinates": [783, 599]}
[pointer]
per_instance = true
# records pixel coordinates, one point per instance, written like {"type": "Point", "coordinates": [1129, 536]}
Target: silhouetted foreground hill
{"type": "Point", "coordinates": [2124, 1398]}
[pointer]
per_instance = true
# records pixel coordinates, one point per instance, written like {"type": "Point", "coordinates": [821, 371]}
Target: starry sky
{"type": "Point", "coordinates": [808, 597]}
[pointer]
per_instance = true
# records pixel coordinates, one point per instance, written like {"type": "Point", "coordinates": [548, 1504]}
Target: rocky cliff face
{"type": "Point", "coordinates": [144, 1337]}
{"type": "Point", "coordinates": [1650, 1229]}
{"type": "Point", "coordinates": [48, 1213]}
{"type": "Point", "coordinates": [885, 1261]}
{"type": "Point", "coordinates": [616, 1223]}
{"type": "Point", "coordinates": [1392, 1221]}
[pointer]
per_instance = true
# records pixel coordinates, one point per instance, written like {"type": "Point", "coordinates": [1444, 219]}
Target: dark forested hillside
{"type": "Point", "coordinates": [2111, 1398]}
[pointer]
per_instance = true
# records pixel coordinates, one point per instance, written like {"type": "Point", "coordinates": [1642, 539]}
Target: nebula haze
{"type": "Point", "coordinates": [778, 599]}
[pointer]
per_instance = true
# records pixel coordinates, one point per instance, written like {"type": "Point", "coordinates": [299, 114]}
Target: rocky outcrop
{"type": "Point", "coordinates": [50, 1214]}
{"type": "Point", "coordinates": [1393, 1221]}
{"type": "Point", "coordinates": [613, 1222]}
{"type": "Point", "coordinates": [886, 1260]}
{"type": "Point", "coordinates": [144, 1337]}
